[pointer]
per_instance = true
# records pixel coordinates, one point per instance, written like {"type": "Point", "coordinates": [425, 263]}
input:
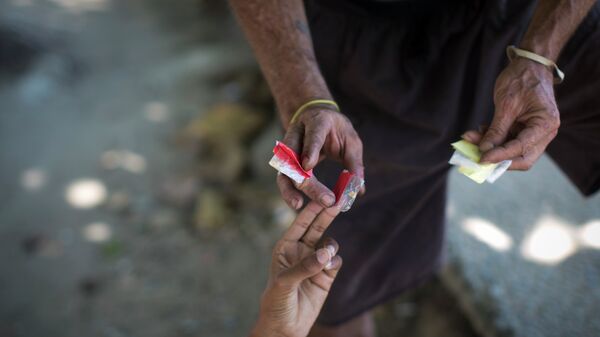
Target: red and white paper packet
{"type": "Point", "coordinates": [285, 160]}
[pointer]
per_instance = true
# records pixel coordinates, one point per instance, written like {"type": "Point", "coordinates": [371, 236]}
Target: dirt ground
{"type": "Point", "coordinates": [127, 209]}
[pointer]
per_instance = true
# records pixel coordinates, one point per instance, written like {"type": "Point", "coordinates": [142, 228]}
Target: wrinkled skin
{"type": "Point", "coordinates": [320, 133]}
{"type": "Point", "coordinates": [526, 117]}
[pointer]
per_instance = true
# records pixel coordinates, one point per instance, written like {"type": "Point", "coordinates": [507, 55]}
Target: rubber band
{"type": "Point", "coordinates": [311, 103]}
{"type": "Point", "coordinates": [512, 52]}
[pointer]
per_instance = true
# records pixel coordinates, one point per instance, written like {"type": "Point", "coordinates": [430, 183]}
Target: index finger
{"type": "Point", "coordinates": [353, 161]}
{"type": "Point", "coordinates": [316, 191]}
{"type": "Point", "coordinates": [312, 187]}
{"type": "Point", "coordinates": [320, 225]}
{"type": "Point", "coordinates": [353, 157]}
{"type": "Point", "coordinates": [517, 147]}
{"type": "Point", "coordinates": [293, 137]}
{"type": "Point", "coordinates": [303, 221]}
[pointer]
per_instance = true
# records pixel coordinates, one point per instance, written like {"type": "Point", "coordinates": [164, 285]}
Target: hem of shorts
{"type": "Point", "coordinates": [418, 281]}
{"type": "Point", "coordinates": [590, 189]}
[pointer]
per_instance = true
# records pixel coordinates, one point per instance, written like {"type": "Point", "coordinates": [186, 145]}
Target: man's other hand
{"type": "Point", "coordinates": [526, 118]}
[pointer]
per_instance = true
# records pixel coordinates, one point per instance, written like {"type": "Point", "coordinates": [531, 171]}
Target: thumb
{"type": "Point", "coordinates": [308, 267]}
{"type": "Point", "coordinates": [353, 157]}
{"type": "Point", "coordinates": [314, 139]}
{"type": "Point", "coordinates": [497, 132]}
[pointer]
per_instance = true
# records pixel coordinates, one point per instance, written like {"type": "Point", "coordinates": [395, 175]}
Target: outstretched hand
{"type": "Point", "coordinates": [320, 133]}
{"type": "Point", "coordinates": [303, 268]}
{"type": "Point", "coordinates": [526, 118]}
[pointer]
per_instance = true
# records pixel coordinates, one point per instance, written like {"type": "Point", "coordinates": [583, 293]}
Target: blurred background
{"type": "Point", "coordinates": [136, 199]}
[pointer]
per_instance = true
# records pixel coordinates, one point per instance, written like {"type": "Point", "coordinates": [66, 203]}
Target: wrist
{"type": "Point", "coordinates": [542, 47]}
{"type": "Point", "coordinates": [288, 101]}
{"type": "Point", "coordinates": [264, 328]}
{"type": "Point", "coordinates": [288, 111]}
{"type": "Point", "coordinates": [530, 70]}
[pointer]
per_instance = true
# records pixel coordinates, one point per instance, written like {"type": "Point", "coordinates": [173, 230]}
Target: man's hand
{"type": "Point", "coordinates": [526, 118]}
{"type": "Point", "coordinates": [320, 133]}
{"type": "Point", "coordinates": [303, 269]}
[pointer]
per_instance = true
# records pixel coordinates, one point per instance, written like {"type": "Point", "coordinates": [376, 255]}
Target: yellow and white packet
{"type": "Point", "coordinates": [467, 156]}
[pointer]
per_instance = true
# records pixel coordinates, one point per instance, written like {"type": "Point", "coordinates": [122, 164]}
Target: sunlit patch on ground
{"type": "Point", "coordinates": [589, 234]}
{"type": "Point", "coordinates": [550, 242]}
{"type": "Point", "coordinates": [33, 179]}
{"type": "Point", "coordinates": [85, 193]}
{"type": "Point", "coordinates": [127, 160]}
{"type": "Point", "coordinates": [488, 233]}
{"type": "Point", "coordinates": [156, 112]}
{"type": "Point", "coordinates": [97, 232]}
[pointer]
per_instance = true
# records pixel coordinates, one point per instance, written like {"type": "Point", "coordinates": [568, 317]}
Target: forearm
{"type": "Point", "coordinates": [552, 24]}
{"type": "Point", "coordinates": [278, 32]}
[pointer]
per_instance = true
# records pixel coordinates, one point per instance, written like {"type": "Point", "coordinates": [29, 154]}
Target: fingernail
{"type": "Point", "coordinates": [305, 162]}
{"type": "Point", "coordinates": [486, 146]}
{"type": "Point", "coordinates": [323, 256]}
{"type": "Point", "coordinates": [329, 265]}
{"type": "Point", "coordinates": [327, 200]}
{"type": "Point", "coordinates": [331, 250]}
{"type": "Point", "coordinates": [296, 203]}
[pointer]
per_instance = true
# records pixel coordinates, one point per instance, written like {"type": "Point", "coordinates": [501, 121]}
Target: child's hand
{"type": "Point", "coordinates": [302, 271]}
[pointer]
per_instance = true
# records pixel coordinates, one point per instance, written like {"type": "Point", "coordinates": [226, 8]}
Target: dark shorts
{"type": "Point", "coordinates": [412, 79]}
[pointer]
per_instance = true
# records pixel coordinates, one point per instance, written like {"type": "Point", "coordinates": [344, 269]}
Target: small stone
{"type": "Point", "coordinates": [33, 179]}
{"type": "Point", "coordinates": [208, 258]}
{"type": "Point", "coordinates": [224, 122]}
{"type": "Point", "coordinates": [119, 202]}
{"type": "Point", "coordinates": [211, 210]}
{"type": "Point", "coordinates": [89, 287]}
{"type": "Point", "coordinates": [163, 219]}
{"type": "Point", "coordinates": [179, 191]}
{"type": "Point", "coordinates": [156, 112]}
{"type": "Point", "coordinates": [41, 245]}
{"type": "Point", "coordinates": [127, 282]}
{"type": "Point", "coordinates": [223, 163]}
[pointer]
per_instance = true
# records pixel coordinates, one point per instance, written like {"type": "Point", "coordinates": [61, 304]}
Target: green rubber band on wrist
{"type": "Point", "coordinates": [311, 103]}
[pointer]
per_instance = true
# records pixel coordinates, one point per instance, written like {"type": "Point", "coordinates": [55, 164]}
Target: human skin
{"type": "Point", "coordinates": [278, 33]}
{"type": "Point", "coordinates": [525, 120]}
{"type": "Point", "coordinates": [526, 117]}
{"type": "Point", "coordinates": [303, 268]}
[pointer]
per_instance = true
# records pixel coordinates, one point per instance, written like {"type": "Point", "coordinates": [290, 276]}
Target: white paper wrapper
{"type": "Point", "coordinates": [460, 160]}
{"type": "Point", "coordinates": [498, 171]}
{"type": "Point", "coordinates": [286, 169]}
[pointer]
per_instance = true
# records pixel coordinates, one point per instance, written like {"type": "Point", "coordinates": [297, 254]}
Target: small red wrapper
{"type": "Point", "coordinates": [346, 189]}
{"type": "Point", "coordinates": [286, 161]}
